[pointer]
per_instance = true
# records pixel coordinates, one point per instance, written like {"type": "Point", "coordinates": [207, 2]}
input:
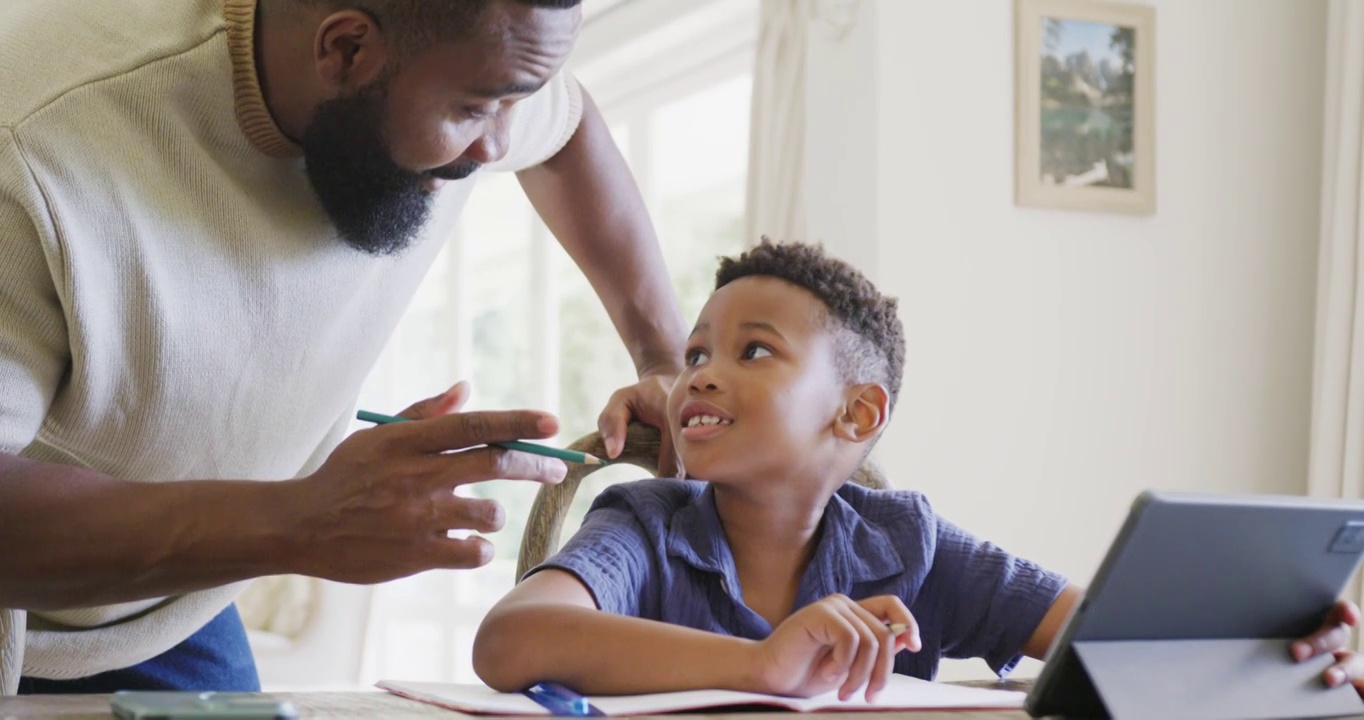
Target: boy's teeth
{"type": "Point", "coordinates": [706, 420]}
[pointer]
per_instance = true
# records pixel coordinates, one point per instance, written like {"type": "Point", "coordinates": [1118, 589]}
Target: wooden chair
{"type": "Point", "coordinates": [552, 502]}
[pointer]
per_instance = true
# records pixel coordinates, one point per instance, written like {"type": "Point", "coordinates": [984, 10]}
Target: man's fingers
{"type": "Point", "coordinates": [445, 403]}
{"type": "Point", "coordinates": [451, 470]}
{"type": "Point", "coordinates": [460, 553]}
{"type": "Point", "coordinates": [463, 430]}
{"type": "Point", "coordinates": [453, 512]}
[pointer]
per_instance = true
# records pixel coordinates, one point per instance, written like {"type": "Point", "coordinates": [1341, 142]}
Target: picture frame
{"type": "Point", "coordinates": [1085, 106]}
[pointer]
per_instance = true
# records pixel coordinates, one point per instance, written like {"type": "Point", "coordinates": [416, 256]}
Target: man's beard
{"type": "Point", "coordinates": [377, 206]}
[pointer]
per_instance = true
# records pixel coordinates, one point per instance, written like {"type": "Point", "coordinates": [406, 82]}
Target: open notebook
{"type": "Point", "coordinates": [901, 693]}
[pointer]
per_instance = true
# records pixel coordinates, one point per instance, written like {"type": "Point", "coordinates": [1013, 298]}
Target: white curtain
{"type": "Point", "coordinates": [1337, 455]}
{"type": "Point", "coordinates": [776, 149]}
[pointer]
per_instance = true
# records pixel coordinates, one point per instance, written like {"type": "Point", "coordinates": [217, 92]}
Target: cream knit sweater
{"type": "Point", "coordinates": [173, 302]}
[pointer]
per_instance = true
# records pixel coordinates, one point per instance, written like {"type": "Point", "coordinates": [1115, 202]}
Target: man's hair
{"type": "Point", "coordinates": [415, 25]}
{"type": "Point", "coordinates": [869, 338]}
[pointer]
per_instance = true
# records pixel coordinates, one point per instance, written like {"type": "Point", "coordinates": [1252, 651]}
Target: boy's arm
{"type": "Point", "coordinates": [548, 628]}
{"type": "Point", "coordinates": [1041, 639]}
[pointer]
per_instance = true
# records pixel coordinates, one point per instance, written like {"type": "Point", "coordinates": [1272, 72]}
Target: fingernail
{"type": "Point", "coordinates": [1334, 677]}
{"type": "Point", "coordinates": [546, 425]}
{"type": "Point", "coordinates": [1301, 651]}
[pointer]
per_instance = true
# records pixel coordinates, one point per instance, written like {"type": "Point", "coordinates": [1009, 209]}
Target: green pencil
{"type": "Point", "coordinates": [517, 445]}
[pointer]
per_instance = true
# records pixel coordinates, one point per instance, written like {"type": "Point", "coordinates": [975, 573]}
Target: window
{"type": "Point", "coordinates": [507, 309]}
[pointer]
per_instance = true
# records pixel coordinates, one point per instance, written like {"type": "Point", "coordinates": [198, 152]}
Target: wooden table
{"type": "Point", "coordinates": [383, 705]}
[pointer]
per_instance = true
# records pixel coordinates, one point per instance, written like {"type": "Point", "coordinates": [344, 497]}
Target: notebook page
{"type": "Point", "coordinates": [901, 693]}
{"type": "Point", "coordinates": [907, 693]}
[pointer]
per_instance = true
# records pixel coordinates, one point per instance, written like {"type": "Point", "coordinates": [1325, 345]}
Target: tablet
{"type": "Point", "coordinates": [1207, 568]}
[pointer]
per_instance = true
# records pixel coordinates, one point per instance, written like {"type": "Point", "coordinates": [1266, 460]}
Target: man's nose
{"type": "Point", "coordinates": [490, 147]}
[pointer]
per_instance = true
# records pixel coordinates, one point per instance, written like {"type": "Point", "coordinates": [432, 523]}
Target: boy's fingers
{"type": "Point", "coordinates": [842, 641]}
{"type": "Point", "coordinates": [892, 610]}
{"type": "Point", "coordinates": [611, 425]}
{"type": "Point", "coordinates": [1344, 612]}
{"type": "Point", "coordinates": [1324, 640]}
{"type": "Point", "coordinates": [1347, 669]}
{"type": "Point", "coordinates": [883, 660]}
{"type": "Point", "coordinates": [868, 649]}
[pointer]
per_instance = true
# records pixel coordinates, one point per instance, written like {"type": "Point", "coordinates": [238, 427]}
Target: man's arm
{"type": "Point", "coordinates": [379, 508]}
{"type": "Point", "coordinates": [589, 200]}
{"type": "Point", "coordinates": [78, 538]}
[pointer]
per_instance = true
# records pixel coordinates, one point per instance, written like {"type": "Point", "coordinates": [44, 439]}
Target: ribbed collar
{"type": "Point", "coordinates": [253, 115]}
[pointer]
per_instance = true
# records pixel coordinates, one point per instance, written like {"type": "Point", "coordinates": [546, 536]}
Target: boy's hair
{"type": "Point", "coordinates": [870, 339]}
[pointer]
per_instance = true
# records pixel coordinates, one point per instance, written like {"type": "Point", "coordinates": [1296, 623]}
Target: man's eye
{"type": "Point", "coordinates": [477, 113]}
{"type": "Point", "coordinates": [696, 357]}
{"type": "Point", "coordinates": [755, 351]}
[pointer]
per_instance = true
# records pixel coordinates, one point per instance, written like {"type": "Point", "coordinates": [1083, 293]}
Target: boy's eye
{"type": "Point", "coordinates": [696, 357]}
{"type": "Point", "coordinates": [755, 351]}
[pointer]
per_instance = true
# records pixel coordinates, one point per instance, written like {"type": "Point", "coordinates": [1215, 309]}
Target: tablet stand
{"type": "Point", "coordinates": [1210, 679]}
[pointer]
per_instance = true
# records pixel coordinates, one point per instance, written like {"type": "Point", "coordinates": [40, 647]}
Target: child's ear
{"type": "Point", "coordinates": [864, 414]}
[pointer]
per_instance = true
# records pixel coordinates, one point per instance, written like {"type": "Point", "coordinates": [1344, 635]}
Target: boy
{"type": "Point", "coordinates": [774, 576]}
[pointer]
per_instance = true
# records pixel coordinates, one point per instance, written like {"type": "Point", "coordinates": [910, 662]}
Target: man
{"type": "Point", "coordinates": [212, 214]}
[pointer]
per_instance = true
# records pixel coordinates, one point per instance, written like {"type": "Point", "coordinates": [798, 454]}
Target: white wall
{"type": "Point", "coordinates": [1061, 362]}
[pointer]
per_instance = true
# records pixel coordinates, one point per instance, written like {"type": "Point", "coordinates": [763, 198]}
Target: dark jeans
{"type": "Point", "coordinates": [216, 657]}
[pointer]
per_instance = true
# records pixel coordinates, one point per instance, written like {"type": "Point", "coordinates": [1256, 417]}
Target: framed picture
{"type": "Point", "coordinates": [1085, 103]}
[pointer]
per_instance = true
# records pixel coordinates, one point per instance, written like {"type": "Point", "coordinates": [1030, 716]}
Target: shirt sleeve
{"type": "Point", "coordinates": [34, 349]}
{"type": "Point", "coordinates": [610, 555]}
{"type": "Point", "coordinates": [990, 601]}
{"type": "Point", "coordinates": [542, 124]}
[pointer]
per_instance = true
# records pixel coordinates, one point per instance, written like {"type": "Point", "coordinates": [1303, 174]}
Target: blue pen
{"type": "Point", "coordinates": [559, 700]}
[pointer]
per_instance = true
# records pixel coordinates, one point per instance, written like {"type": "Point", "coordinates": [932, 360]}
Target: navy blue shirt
{"type": "Point", "coordinates": [655, 549]}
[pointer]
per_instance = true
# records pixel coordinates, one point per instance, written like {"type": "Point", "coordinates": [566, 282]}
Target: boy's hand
{"type": "Point", "coordinates": [1333, 637]}
{"type": "Point", "coordinates": [646, 401]}
{"type": "Point", "coordinates": [835, 643]}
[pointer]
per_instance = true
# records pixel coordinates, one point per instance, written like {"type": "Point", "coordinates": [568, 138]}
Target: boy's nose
{"type": "Point", "coordinates": [702, 383]}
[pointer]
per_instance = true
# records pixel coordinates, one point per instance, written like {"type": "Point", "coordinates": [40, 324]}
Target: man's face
{"type": "Point", "coordinates": [376, 157]}
{"type": "Point", "coordinates": [762, 362]}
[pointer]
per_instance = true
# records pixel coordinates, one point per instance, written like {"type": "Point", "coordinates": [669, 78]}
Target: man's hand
{"type": "Point", "coordinates": [646, 401]}
{"type": "Point", "coordinates": [835, 643]}
{"type": "Point", "coordinates": [1333, 637]}
{"type": "Point", "coordinates": [382, 504]}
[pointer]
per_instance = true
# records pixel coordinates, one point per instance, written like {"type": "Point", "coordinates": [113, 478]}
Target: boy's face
{"type": "Point", "coordinates": [760, 391]}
